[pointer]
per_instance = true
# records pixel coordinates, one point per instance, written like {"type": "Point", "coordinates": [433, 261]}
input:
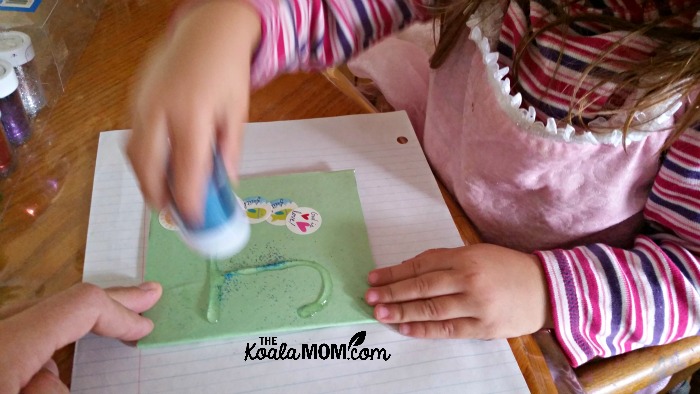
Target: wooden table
{"type": "Point", "coordinates": [45, 205]}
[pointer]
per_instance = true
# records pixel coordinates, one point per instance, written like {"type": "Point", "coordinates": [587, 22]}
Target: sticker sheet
{"type": "Point", "coordinates": [305, 266]}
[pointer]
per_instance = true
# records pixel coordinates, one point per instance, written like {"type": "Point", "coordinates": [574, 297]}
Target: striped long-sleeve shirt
{"type": "Point", "coordinates": [605, 300]}
{"type": "Point", "coordinates": [609, 301]}
{"type": "Point", "coordinates": [314, 34]}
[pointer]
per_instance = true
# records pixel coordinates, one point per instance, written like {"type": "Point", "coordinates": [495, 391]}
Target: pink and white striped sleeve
{"type": "Point", "coordinates": [315, 34]}
{"type": "Point", "coordinates": [608, 301]}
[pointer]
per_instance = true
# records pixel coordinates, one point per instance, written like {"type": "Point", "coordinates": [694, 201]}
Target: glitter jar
{"type": "Point", "coordinates": [225, 229]}
{"type": "Point", "coordinates": [7, 160]}
{"type": "Point", "coordinates": [14, 119]}
{"type": "Point", "coordinates": [16, 48]}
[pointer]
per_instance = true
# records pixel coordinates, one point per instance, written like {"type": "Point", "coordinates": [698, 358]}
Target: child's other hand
{"type": "Point", "coordinates": [480, 291]}
{"type": "Point", "coordinates": [193, 93]}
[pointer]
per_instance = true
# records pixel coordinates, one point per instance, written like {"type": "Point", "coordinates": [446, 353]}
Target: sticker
{"type": "Point", "coordinates": [257, 209]}
{"type": "Point", "coordinates": [304, 221]}
{"type": "Point", "coordinates": [167, 220]}
{"type": "Point", "coordinates": [280, 209]}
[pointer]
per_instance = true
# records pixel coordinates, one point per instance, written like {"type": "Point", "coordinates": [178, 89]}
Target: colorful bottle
{"type": "Point", "coordinates": [16, 48]}
{"type": "Point", "coordinates": [225, 229]}
{"type": "Point", "coordinates": [14, 118]}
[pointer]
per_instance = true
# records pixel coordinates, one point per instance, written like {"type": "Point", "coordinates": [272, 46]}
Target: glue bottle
{"type": "Point", "coordinates": [225, 229]}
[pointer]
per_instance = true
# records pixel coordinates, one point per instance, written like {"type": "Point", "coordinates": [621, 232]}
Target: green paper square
{"type": "Point", "coordinates": [268, 301]}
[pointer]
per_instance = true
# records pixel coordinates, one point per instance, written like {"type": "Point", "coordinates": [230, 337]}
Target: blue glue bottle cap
{"type": "Point", "coordinates": [225, 229]}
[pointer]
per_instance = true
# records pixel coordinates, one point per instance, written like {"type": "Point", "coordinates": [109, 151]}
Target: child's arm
{"type": "Point", "coordinates": [316, 34]}
{"type": "Point", "coordinates": [194, 91]}
{"type": "Point", "coordinates": [608, 301]}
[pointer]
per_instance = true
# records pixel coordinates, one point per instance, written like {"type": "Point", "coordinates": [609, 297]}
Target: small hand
{"type": "Point", "coordinates": [30, 338]}
{"type": "Point", "coordinates": [480, 291]}
{"type": "Point", "coordinates": [193, 95]}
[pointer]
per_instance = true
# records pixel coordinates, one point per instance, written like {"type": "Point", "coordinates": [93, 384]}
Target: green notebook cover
{"type": "Point", "coordinates": [292, 275]}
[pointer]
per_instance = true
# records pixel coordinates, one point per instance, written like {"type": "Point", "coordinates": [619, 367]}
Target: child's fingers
{"type": "Point", "coordinates": [408, 269]}
{"type": "Point", "coordinates": [432, 284]}
{"type": "Point", "coordinates": [148, 151]}
{"type": "Point", "coordinates": [466, 327]}
{"type": "Point", "coordinates": [192, 144]}
{"type": "Point", "coordinates": [430, 309]}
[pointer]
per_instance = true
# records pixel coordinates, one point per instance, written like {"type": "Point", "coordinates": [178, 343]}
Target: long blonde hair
{"type": "Point", "coordinates": [674, 69]}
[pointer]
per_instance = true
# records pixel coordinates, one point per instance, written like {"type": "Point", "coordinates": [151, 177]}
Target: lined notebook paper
{"type": "Point", "coordinates": [405, 215]}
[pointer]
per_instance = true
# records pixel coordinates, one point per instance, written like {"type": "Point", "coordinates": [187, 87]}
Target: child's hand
{"type": "Point", "coordinates": [481, 291]}
{"type": "Point", "coordinates": [193, 93]}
